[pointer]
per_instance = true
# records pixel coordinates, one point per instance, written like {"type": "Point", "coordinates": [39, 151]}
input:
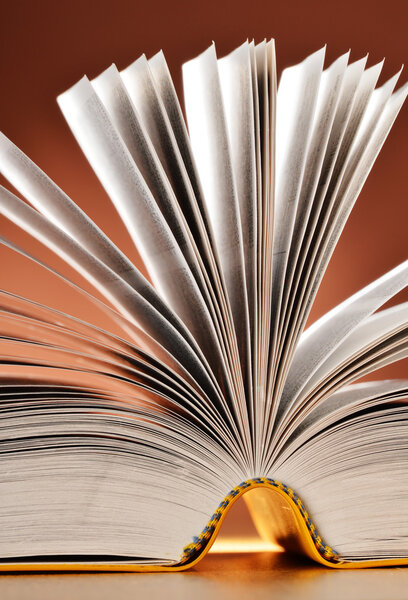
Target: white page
{"type": "Point", "coordinates": [183, 361]}
{"type": "Point", "coordinates": [140, 84]}
{"type": "Point", "coordinates": [144, 81]}
{"type": "Point", "coordinates": [352, 397]}
{"type": "Point", "coordinates": [325, 240]}
{"type": "Point", "coordinates": [126, 299]}
{"type": "Point", "coordinates": [193, 243]}
{"type": "Point", "coordinates": [349, 88]}
{"type": "Point", "coordinates": [359, 104]}
{"type": "Point", "coordinates": [392, 350]}
{"type": "Point", "coordinates": [48, 326]}
{"type": "Point", "coordinates": [371, 134]}
{"type": "Point", "coordinates": [52, 202]}
{"type": "Point", "coordinates": [370, 333]}
{"type": "Point", "coordinates": [258, 177]}
{"type": "Point", "coordinates": [296, 102]}
{"type": "Point", "coordinates": [148, 388]}
{"type": "Point", "coordinates": [377, 340]}
{"type": "Point", "coordinates": [339, 405]}
{"type": "Point", "coordinates": [45, 195]}
{"type": "Point", "coordinates": [200, 225]}
{"type": "Point", "coordinates": [266, 99]}
{"type": "Point", "coordinates": [327, 104]}
{"type": "Point", "coordinates": [350, 82]}
{"type": "Point", "coordinates": [372, 114]}
{"type": "Point", "coordinates": [324, 336]}
{"type": "Point", "coordinates": [209, 141]}
{"type": "Point", "coordinates": [295, 108]}
{"type": "Point", "coordinates": [326, 107]}
{"type": "Point", "coordinates": [237, 95]}
{"type": "Point", "coordinates": [152, 348]}
{"type": "Point", "coordinates": [143, 342]}
{"type": "Point", "coordinates": [210, 145]}
{"type": "Point", "coordinates": [258, 397]}
{"type": "Point", "coordinates": [142, 91]}
{"type": "Point", "coordinates": [145, 97]}
{"type": "Point", "coordinates": [348, 98]}
{"type": "Point", "coordinates": [112, 92]}
{"type": "Point", "coordinates": [118, 173]}
{"type": "Point", "coordinates": [362, 96]}
{"type": "Point", "coordinates": [345, 203]}
{"type": "Point", "coordinates": [170, 102]}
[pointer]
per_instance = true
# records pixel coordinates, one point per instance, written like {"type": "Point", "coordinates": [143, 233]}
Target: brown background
{"type": "Point", "coordinates": [47, 45]}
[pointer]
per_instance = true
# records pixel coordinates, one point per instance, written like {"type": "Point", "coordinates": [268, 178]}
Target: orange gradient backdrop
{"type": "Point", "coordinates": [47, 45]}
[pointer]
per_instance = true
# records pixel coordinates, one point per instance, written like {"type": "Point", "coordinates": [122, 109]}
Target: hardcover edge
{"type": "Point", "coordinates": [310, 541]}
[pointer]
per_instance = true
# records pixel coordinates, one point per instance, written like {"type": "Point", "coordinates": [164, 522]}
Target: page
{"type": "Point", "coordinates": [145, 97]}
{"type": "Point", "coordinates": [237, 96]}
{"type": "Point", "coordinates": [123, 182]}
{"type": "Point", "coordinates": [76, 334]}
{"type": "Point", "coordinates": [295, 107]}
{"type": "Point", "coordinates": [345, 202]}
{"type": "Point", "coordinates": [134, 468]}
{"type": "Point", "coordinates": [296, 102]}
{"type": "Point", "coordinates": [369, 334]}
{"type": "Point", "coordinates": [340, 405]}
{"type": "Point", "coordinates": [353, 398]}
{"type": "Point", "coordinates": [349, 86]}
{"type": "Point", "coordinates": [360, 102]}
{"type": "Point", "coordinates": [53, 203]}
{"type": "Point", "coordinates": [337, 473]}
{"type": "Point", "coordinates": [374, 343]}
{"type": "Point", "coordinates": [210, 144]}
{"type": "Point", "coordinates": [326, 107]}
{"type": "Point", "coordinates": [381, 127]}
{"type": "Point", "coordinates": [141, 341]}
{"type": "Point", "coordinates": [132, 96]}
{"type": "Point", "coordinates": [373, 112]}
{"type": "Point", "coordinates": [328, 97]}
{"type": "Point", "coordinates": [209, 140]}
{"type": "Point", "coordinates": [150, 390]}
{"type": "Point", "coordinates": [266, 99]}
{"type": "Point", "coordinates": [148, 349]}
{"type": "Point", "coordinates": [43, 193]}
{"type": "Point", "coordinates": [117, 291]}
{"type": "Point", "coordinates": [323, 337]}
{"type": "Point", "coordinates": [200, 226]}
{"type": "Point", "coordinates": [112, 92]}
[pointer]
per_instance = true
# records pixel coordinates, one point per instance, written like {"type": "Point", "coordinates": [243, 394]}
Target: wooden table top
{"type": "Point", "coordinates": [252, 575]}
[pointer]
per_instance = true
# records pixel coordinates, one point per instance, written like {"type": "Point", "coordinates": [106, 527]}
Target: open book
{"type": "Point", "coordinates": [125, 451]}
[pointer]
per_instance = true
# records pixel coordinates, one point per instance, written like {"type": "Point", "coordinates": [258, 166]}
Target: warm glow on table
{"type": "Point", "coordinates": [237, 545]}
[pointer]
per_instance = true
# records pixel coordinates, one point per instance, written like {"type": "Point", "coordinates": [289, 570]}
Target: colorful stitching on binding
{"type": "Point", "coordinates": [198, 544]}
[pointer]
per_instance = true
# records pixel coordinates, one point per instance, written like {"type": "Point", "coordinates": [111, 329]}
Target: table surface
{"type": "Point", "coordinates": [252, 575]}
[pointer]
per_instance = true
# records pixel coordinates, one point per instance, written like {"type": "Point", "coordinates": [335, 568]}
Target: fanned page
{"type": "Point", "coordinates": [124, 448]}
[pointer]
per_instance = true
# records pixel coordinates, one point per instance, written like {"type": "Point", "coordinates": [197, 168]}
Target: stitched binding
{"type": "Point", "coordinates": [199, 543]}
